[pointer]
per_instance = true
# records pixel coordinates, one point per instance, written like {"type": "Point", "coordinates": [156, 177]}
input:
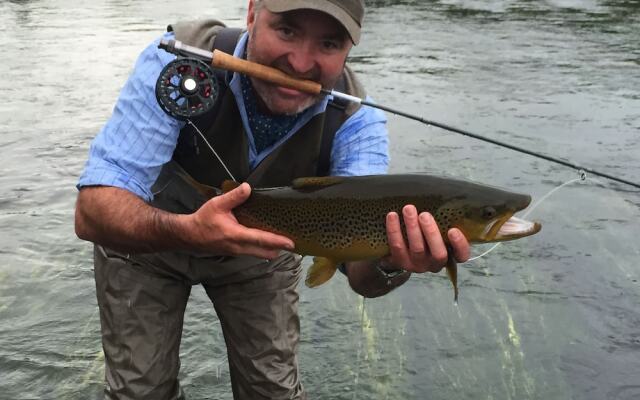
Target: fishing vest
{"type": "Point", "coordinates": [305, 153]}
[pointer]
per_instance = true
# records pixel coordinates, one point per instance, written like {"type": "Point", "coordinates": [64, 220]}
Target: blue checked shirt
{"type": "Point", "coordinates": [140, 138]}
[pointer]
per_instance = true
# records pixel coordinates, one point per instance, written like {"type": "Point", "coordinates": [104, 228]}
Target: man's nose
{"type": "Point", "coordinates": [302, 59]}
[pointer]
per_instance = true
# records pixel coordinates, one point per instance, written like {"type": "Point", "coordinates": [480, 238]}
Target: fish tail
{"type": "Point", "coordinates": [205, 190]}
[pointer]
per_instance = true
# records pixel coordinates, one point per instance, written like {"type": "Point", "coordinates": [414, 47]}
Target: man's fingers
{"type": "Point", "coordinates": [263, 239]}
{"type": "Point", "coordinates": [234, 198]}
{"type": "Point", "coordinates": [397, 246]}
{"type": "Point", "coordinates": [414, 235]}
{"type": "Point", "coordinates": [271, 240]}
{"type": "Point", "coordinates": [260, 252]}
{"type": "Point", "coordinates": [433, 238]}
{"type": "Point", "coordinates": [459, 244]}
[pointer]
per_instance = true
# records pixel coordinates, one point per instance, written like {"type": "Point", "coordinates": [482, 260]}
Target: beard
{"type": "Point", "coordinates": [274, 101]}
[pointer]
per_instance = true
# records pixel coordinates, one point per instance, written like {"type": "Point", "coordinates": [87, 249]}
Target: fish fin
{"type": "Point", "coordinates": [321, 271]}
{"type": "Point", "coordinates": [315, 182]}
{"type": "Point", "coordinates": [229, 185]}
{"type": "Point", "coordinates": [452, 273]}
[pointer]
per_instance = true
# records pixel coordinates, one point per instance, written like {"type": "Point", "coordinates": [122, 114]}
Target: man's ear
{"type": "Point", "coordinates": [250, 16]}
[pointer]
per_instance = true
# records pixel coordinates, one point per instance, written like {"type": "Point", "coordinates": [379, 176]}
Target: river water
{"type": "Point", "coordinates": [554, 316]}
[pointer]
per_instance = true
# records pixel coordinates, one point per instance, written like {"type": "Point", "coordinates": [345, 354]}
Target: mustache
{"type": "Point", "coordinates": [283, 65]}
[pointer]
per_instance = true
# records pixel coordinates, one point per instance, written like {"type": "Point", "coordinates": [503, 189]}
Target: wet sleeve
{"type": "Point", "coordinates": [361, 145]}
{"type": "Point", "coordinates": [139, 137]}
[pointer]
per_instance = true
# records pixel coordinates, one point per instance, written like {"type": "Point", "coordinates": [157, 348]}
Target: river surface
{"type": "Point", "coordinates": [554, 316]}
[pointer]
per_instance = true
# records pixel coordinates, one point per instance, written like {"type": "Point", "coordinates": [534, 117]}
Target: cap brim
{"type": "Point", "coordinates": [351, 26]}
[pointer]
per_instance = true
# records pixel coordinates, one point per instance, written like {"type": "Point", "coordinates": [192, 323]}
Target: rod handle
{"type": "Point", "coordinates": [226, 61]}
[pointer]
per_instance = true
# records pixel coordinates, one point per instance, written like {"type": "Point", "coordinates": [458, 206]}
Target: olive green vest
{"type": "Point", "coordinates": [296, 157]}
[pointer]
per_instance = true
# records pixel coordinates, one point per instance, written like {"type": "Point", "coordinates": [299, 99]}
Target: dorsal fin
{"type": "Point", "coordinates": [229, 185]}
{"type": "Point", "coordinates": [315, 182]}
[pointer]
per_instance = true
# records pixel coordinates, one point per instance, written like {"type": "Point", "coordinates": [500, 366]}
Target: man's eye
{"type": "Point", "coordinates": [330, 45]}
{"type": "Point", "coordinates": [285, 32]}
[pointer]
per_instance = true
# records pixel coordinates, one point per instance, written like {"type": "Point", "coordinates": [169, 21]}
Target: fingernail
{"type": "Point", "coordinates": [426, 217]}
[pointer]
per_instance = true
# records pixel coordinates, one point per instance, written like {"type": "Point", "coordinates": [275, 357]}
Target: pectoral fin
{"type": "Point", "coordinates": [321, 271]}
{"type": "Point", "coordinates": [452, 273]}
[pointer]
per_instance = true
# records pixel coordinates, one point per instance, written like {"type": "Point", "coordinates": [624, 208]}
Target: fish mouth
{"type": "Point", "coordinates": [511, 227]}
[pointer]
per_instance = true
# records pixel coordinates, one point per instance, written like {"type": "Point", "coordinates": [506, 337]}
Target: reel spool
{"type": "Point", "coordinates": [186, 88]}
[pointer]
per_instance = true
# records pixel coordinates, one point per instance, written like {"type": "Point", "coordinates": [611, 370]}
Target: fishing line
{"type": "Point", "coordinates": [631, 275]}
{"type": "Point", "coordinates": [212, 150]}
{"type": "Point", "coordinates": [358, 358]}
{"type": "Point", "coordinates": [483, 138]}
{"type": "Point", "coordinates": [220, 366]}
{"type": "Point", "coordinates": [582, 177]}
{"type": "Point", "coordinates": [187, 87]}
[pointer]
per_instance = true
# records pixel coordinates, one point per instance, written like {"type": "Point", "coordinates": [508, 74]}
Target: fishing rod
{"type": "Point", "coordinates": [187, 88]}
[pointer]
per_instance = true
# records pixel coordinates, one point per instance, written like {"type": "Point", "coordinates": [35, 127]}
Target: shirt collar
{"type": "Point", "coordinates": [236, 88]}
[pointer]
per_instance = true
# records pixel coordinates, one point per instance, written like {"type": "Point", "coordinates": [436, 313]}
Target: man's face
{"type": "Point", "coordinates": [305, 44]}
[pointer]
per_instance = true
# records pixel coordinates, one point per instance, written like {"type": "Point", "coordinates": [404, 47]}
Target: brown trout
{"type": "Point", "coordinates": [341, 219]}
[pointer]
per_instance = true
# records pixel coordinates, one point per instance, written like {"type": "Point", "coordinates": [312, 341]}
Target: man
{"type": "Point", "coordinates": [156, 236]}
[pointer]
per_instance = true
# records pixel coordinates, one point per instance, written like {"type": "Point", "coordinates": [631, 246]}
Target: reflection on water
{"type": "Point", "coordinates": [554, 316]}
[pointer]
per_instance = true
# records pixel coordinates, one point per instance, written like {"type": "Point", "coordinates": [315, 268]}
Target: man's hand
{"type": "Point", "coordinates": [214, 228]}
{"type": "Point", "coordinates": [118, 219]}
{"type": "Point", "coordinates": [425, 250]}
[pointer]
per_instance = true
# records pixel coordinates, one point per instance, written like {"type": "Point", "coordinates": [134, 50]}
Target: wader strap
{"type": "Point", "coordinates": [225, 41]}
{"type": "Point", "coordinates": [334, 118]}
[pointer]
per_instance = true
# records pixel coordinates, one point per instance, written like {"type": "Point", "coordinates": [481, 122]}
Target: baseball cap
{"type": "Point", "coordinates": [348, 12]}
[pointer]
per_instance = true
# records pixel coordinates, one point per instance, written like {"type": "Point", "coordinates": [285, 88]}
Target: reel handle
{"type": "Point", "coordinates": [230, 63]}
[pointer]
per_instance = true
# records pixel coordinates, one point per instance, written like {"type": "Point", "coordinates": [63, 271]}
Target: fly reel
{"type": "Point", "coordinates": [186, 88]}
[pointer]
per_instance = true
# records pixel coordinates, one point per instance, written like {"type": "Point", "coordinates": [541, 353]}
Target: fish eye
{"type": "Point", "coordinates": [488, 212]}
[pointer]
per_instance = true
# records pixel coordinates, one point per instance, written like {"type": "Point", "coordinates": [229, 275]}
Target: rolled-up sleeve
{"type": "Point", "coordinates": [361, 145]}
{"type": "Point", "coordinates": [139, 137]}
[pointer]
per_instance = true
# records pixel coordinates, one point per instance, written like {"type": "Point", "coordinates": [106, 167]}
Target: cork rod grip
{"type": "Point", "coordinates": [227, 62]}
